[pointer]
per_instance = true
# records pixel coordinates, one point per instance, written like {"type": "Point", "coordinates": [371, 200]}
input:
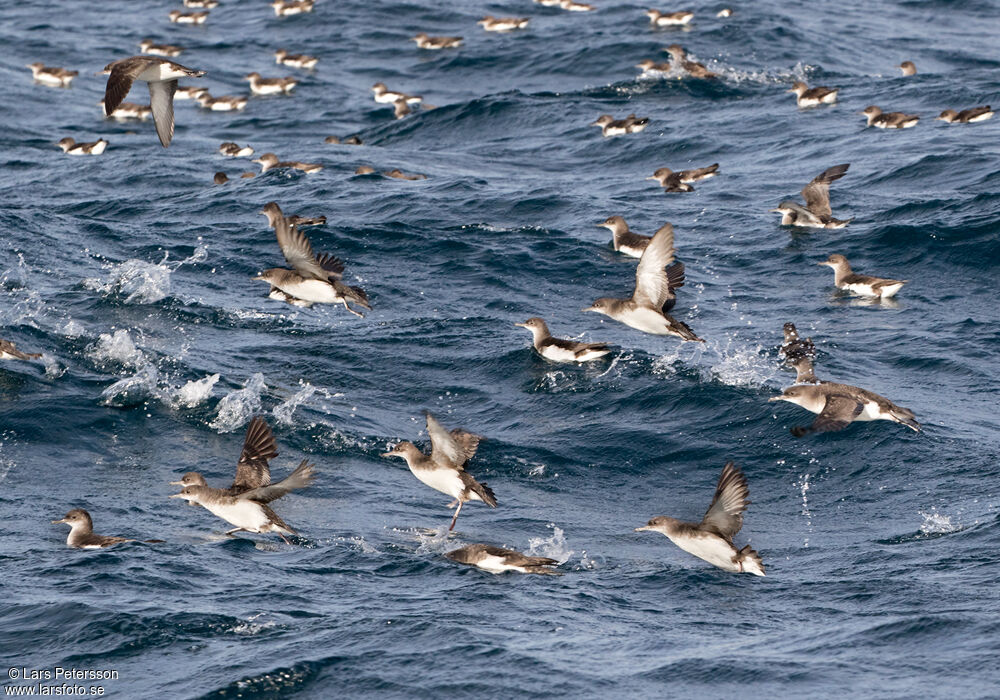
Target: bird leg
{"type": "Point", "coordinates": [359, 315]}
{"type": "Point", "coordinates": [455, 518]}
{"type": "Point", "coordinates": [282, 535]}
{"type": "Point", "coordinates": [235, 529]}
{"type": "Point", "coordinates": [454, 503]}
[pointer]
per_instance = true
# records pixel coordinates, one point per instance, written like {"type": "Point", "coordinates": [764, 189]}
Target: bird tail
{"type": "Point", "coordinates": [485, 493]}
{"type": "Point", "coordinates": [684, 330]}
{"type": "Point", "coordinates": [532, 569]}
{"type": "Point", "coordinates": [750, 562]}
{"type": "Point", "coordinates": [906, 417]}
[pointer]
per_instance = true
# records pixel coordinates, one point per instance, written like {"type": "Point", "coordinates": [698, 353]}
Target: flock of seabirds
{"type": "Point", "coordinates": [318, 279]}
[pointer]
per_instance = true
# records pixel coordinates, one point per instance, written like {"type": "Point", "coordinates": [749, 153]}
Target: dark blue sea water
{"type": "Point", "coordinates": [131, 273]}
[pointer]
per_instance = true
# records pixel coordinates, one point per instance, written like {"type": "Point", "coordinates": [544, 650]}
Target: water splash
{"type": "Point", "coordinates": [237, 407]}
{"type": "Point", "coordinates": [740, 365]}
{"type": "Point", "coordinates": [803, 484]}
{"type": "Point", "coordinates": [142, 282]}
{"type": "Point", "coordinates": [553, 547]}
{"type": "Point", "coordinates": [117, 348]}
{"type": "Point", "coordinates": [132, 391]}
{"type": "Point", "coordinates": [937, 523]}
{"type": "Point", "coordinates": [283, 412]}
{"type": "Point", "coordinates": [194, 392]}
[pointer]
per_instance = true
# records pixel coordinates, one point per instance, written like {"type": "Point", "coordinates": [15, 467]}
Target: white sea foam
{"type": "Point", "coordinates": [238, 406]}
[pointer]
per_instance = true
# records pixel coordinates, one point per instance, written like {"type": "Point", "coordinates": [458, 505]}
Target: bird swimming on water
{"type": "Point", "coordinates": [244, 502]}
{"type": "Point", "coordinates": [966, 116]}
{"type": "Point", "coordinates": [81, 532]}
{"type": "Point", "coordinates": [313, 279]}
{"type": "Point", "coordinates": [617, 127]}
{"type": "Point", "coordinates": [908, 68]}
{"type": "Point", "coordinates": [444, 468]}
{"type": "Point", "coordinates": [806, 96]}
{"type": "Point", "coordinates": [624, 240]}
{"type": "Point", "coordinates": [680, 180]}
{"type": "Point", "coordinates": [497, 560]}
{"type": "Point", "coordinates": [712, 538]}
{"type": "Point", "coordinates": [889, 120]}
{"type": "Point", "coordinates": [816, 213]}
{"type": "Point", "coordinates": [864, 285]}
{"type": "Point", "coordinates": [160, 76]}
{"type": "Point", "coordinates": [839, 405]}
{"type": "Point", "coordinates": [654, 289]}
{"type": "Point", "coordinates": [559, 349]}
{"type": "Point", "coordinates": [680, 61]}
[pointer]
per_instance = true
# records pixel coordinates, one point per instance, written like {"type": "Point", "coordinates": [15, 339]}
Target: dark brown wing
{"type": "Point", "coordinates": [515, 558]}
{"type": "Point", "coordinates": [333, 265]}
{"type": "Point", "coordinates": [837, 414]}
{"type": "Point", "coordinates": [967, 114]}
{"type": "Point", "coordinates": [252, 471]}
{"type": "Point", "coordinates": [298, 251]}
{"type": "Point", "coordinates": [698, 173]}
{"type": "Point", "coordinates": [120, 82]}
{"type": "Point", "coordinates": [725, 515]}
{"type": "Point", "coordinates": [817, 192]}
{"type": "Point", "coordinates": [9, 348]}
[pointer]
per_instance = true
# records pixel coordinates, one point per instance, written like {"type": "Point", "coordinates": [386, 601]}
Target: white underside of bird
{"type": "Point", "coordinates": [315, 291]}
{"type": "Point", "coordinates": [717, 552]}
{"type": "Point", "coordinates": [557, 354]}
{"type": "Point", "coordinates": [868, 290]}
{"type": "Point", "coordinates": [245, 514]}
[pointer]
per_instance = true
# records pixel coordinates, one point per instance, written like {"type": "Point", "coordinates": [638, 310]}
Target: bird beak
{"type": "Point", "coordinates": [640, 529]}
{"type": "Point", "coordinates": [775, 398]}
{"type": "Point", "coordinates": [822, 263]}
{"type": "Point", "coordinates": [863, 112]}
{"type": "Point", "coordinates": [388, 454]}
{"type": "Point", "coordinates": [56, 522]}
{"type": "Point", "coordinates": [176, 495]}
{"type": "Point", "coordinates": [520, 325]}
{"type": "Point", "coordinates": [594, 124]}
{"type": "Point", "coordinates": [652, 177]}
{"type": "Point", "coordinates": [258, 278]}
{"type": "Point", "coordinates": [775, 210]}
{"type": "Point", "coordinates": [176, 483]}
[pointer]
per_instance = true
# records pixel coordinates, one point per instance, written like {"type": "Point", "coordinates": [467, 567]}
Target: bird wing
{"type": "Point", "coordinates": [119, 83]}
{"type": "Point", "coordinates": [968, 114]}
{"type": "Point", "coordinates": [837, 413]}
{"type": "Point", "coordinates": [515, 558]}
{"type": "Point", "coordinates": [298, 251]}
{"type": "Point", "coordinates": [259, 446]}
{"type": "Point", "coordinates": [817, 192]}
{"type": "Point", "coordinates": [161, 101]}
{"type": "Point", "coordinates": [652, 287]}
{"type": "Point", "coordinates": [9, 348]}
{"type": "Point", "coordinates": [697, 173]}
{"type": "Point", "coordinates": [804, 213]}
{"type": "Point", "coordinates": [333, 265]}
{"type": "Point", "coordinates": [725, 516]}
{"type": "Point", "coordinates": [453, 448]}
{"type": "Point", "coordinates": [300, 478]}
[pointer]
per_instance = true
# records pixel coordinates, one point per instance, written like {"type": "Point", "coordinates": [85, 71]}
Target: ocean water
{"type": "Point", "coordinates": [131, 273]}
